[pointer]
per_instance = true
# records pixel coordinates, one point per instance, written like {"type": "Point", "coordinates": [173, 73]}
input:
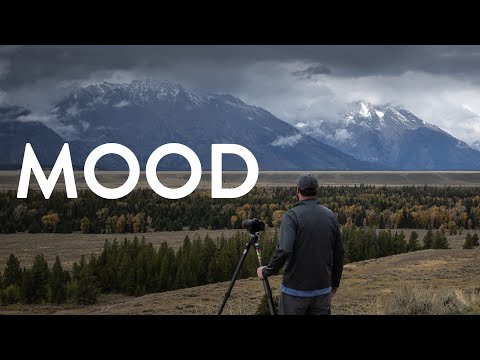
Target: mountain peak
{"type": "Point", "coordinates": [386, 117]}
{"type": "Point", "coordinates": [118, 95]}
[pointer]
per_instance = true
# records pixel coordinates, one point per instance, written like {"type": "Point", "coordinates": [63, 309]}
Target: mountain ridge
{"type": "Point", "coordinates": [391, 135]}
{"type": "Point", "coordinates": [144, 115]}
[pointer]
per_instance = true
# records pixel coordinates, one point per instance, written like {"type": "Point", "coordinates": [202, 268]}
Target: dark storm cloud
{"type": "Point", "coordinates": [312, 71]}
{"type": "Point", "coordinates": [29, 64]}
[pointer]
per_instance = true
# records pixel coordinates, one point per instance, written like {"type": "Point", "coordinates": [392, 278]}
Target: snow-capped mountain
{"type": "Point", "coordinates": [392, 136]}
{"type": "Point", "coordinates": [144, 115]}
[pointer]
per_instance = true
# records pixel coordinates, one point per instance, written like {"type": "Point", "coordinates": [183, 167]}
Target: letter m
{"type": "Point", "coordinates": [30, 163]}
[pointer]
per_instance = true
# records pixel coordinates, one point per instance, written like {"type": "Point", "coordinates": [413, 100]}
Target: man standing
{"type": "Point", "coordinates": [311, 247]}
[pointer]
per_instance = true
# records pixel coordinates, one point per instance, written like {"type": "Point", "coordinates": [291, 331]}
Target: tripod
{"type": "Point", "coordinates": [266, 285]}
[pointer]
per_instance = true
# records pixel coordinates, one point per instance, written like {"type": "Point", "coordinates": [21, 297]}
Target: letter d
{"type": "Point", "coordinates": [252, 171]}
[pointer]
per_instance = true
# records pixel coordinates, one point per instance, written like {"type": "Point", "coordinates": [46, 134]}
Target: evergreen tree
{"type": "Point", "coordinates": [167, 271]}
{"type": "Point", "coordinates": [125, 280]}
{"type": "Point", "coordinates": [184, 277]}
{"type": "Point", "coordinates": [475, 240]}
{"type": "Point", "coordinates": [413, 244]}
{"type": "Point", "coordinates": [162, 250]}
{"type": "Point", "coordinates": [86, 289]}
{"type": "Point", "coordinates": [13, 272]}
{"type": "Point", "coordinates": [28, 289]}
{"type": "Point", "coordinates": [440, 241]}
{"type": "Point", "coordinates": [468, 242]}
{"type": "Point", "coordinates": [86, 292]}
{"type": "Point", "coordinates": [399, 243]}
{"type": "Point", "coordinates": [210, 259]}
{"type": "Point", "coordinates": [428, 239]}
{"type": "Point", "coordinates": [35, 227]}
{"type": "Point", "coordinates": [57, 284]}
{"type": "Point", "coordinates": [197, 266]}
{"type": "Point", "coordinates": [141, 274]}
{"type": "Point", "coordinates": [40, 274]}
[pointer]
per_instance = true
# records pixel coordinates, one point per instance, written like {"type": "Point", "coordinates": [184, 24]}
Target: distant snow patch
{"type": "Point", "coordinates": [85, 125]}
{"type": "Point", "coordinates": [122, 104]}
{"type": "Point", "coordinates": [379, 113]}
{"type": "Point", "coordinates": [364, 110]}
{"type": "Point", "coordinates": [287, 140]}
{"type": "Point", "coordinates": [300, 125]}
{"type": "Point", "coordinates": [342, 135]}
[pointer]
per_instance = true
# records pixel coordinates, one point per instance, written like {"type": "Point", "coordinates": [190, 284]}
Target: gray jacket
{"type": "Point", "coordinates": [311, 247]}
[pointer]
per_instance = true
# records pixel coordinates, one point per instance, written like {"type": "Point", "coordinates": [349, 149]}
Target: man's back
{"type": "Point", "coordinates": [311, 247]}
{"type": "Point", "coordinates": [314, 233]}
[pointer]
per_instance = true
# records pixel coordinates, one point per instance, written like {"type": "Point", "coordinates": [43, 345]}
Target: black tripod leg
{"type": "Point", "coordinates": [268, 295]}
{"type": "Point", "coordinates": [234, 278]}
{"type": "Point", "coordinates": [266, 284]}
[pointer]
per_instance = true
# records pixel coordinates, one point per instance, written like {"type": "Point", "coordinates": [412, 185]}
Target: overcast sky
{"type": "Point", "coordinates": [440, 84]}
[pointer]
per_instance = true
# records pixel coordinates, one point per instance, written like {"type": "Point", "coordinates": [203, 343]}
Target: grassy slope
{"type": "Point", "coordinates": [364, 285]}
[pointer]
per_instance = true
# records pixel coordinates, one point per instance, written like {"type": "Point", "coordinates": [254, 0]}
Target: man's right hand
{"type": "Point", "coordinates": [334, 291]}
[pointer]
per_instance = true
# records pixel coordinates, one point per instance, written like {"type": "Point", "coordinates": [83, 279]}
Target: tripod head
{"type": "Point", "coordinates": [254, 238]}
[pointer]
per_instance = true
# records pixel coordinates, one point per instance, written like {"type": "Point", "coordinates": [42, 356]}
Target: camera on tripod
{"type": "Point", "coordinates": [253, 225]}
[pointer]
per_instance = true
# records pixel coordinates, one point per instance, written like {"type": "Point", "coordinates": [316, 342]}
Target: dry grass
{"type": "Point", "coordinates": [427, 300]}
{"type": "Point", "coordinates": [9, 179]}
{"type": "Point", "coordinates": [71, 246]}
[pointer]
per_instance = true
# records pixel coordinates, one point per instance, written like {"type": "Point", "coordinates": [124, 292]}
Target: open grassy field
{"type": "Point", "coordinates": [71, 246]}
{"type": "Point", "coordinates": [363, 287]}
{"type": "Point", "coordinates": [9, 179]}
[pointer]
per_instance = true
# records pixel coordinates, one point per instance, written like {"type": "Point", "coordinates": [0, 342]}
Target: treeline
{"type": "Point", "coordinates": [368, 243]}
{"type": "Point", "coordinates": [137, 268]}
{"type": "Point", "coordinates": [420, 207]}
{"type": "Point", "coordinates": [132, 268]}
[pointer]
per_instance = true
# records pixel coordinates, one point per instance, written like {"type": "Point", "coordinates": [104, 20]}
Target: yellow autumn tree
{"type": "Point", "coordinates": [51, 221]}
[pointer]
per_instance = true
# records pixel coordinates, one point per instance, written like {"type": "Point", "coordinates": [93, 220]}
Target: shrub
{"type": "Point", "coordinates": [426, 300]}
{"type": "Point", "coordinates": [10, 295]}
{"type": "Point", "coordinates": [475, 240]}
{"type": "Point", "coordinates": [470, 241]}
{"type": "Point", "coordinates": [86, 291]}
{"type": "Point", "coordinates": [263, 309]}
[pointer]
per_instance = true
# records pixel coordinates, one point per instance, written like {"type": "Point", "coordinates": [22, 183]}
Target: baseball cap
{"type": "Point", "coordinates": [307, 182]}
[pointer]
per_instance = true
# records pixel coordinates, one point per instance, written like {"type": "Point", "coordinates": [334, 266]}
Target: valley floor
{"type": "Point", "coordinates": [9, 179]}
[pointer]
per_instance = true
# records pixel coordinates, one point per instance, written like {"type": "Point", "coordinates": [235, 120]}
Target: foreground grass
{"type": "Point", "coordinates": [426, 300]}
